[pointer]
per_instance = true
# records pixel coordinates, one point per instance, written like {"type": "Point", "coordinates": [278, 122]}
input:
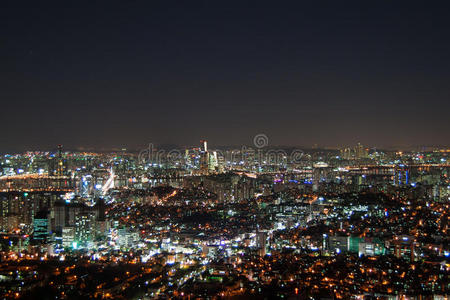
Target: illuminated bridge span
{"type": "Point", "coordinates": [26, 176]}
{"type": "Point", "coordinates": [360, 167]}
{"type": "Point", "coordinates": [35, 182]}
{"type": "Point", "coordinates": [399, 166]}
{"type": "Point", "coordinates": [43, 189]}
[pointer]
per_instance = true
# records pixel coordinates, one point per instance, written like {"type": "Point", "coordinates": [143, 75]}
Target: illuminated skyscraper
{"type": "Point", "coordinates": [213, 161]}
{"type": "Point", "coordinates": [261, 243]}
{"type": "Point", "coordinates": [205, 145]}
{"type": "Point", "coordinates": [57, 168]}
{"type": "Point", "coordinates": [60, 168]}
{"type": "Point", "coordinates": [346, 153]}
{"type": "Point", "coordinates": [360, 151]}
{"type": "Point", "coordinates": [204, 157]}
{"type": "Point", "coordinates": [41, 227]}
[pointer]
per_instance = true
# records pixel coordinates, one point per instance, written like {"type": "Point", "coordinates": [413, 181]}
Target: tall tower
{"type": "Point", "coordinates": [213, 161]}
{"type": "Point", "coordinates": [60, 168]}
{"type": "Point", "coordinates": [261, 242]}
{"type": "Point", "coordinates": [205, 145]}
{"type": "Point", "coordinates": [360, 151]}
{"type": "Point", "coordinates": [204, 157]}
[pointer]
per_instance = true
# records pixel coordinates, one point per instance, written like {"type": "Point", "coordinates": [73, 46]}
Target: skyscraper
{"type": "Point", "coordinates": [360, 151]}
{"type": "Point", "coordinates": [41, 227]}
{"type": "Point", "coordinates": [204, 157]}
{"type": "Point", "coordinates": [60, 168]}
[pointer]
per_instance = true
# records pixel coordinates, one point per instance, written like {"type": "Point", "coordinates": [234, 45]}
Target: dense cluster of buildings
{"type": "Point", "coordinates": [196, 222]}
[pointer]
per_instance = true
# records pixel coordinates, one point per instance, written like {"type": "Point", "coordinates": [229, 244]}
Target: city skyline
{"type": "Point", "coordinates": [254, 222]}
{"type": "Point", "coordinates": [123, 75]}
{"type": "Point", "coordinates": [225, 150]}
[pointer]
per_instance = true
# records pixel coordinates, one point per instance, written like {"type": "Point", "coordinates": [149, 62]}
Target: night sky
{"type": "Point", "coordinates": [123, 74]}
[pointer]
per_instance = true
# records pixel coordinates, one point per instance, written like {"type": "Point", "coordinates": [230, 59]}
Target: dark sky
{"type": "Point", "coordinates": [123, 74]}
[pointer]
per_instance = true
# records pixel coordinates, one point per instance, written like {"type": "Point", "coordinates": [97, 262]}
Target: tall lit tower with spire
{"type": "Point", "coordinates": [204, 157]}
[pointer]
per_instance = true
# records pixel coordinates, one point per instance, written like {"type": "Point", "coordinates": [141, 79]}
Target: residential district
{"type": "Point", "coordinates": [247, 223]}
